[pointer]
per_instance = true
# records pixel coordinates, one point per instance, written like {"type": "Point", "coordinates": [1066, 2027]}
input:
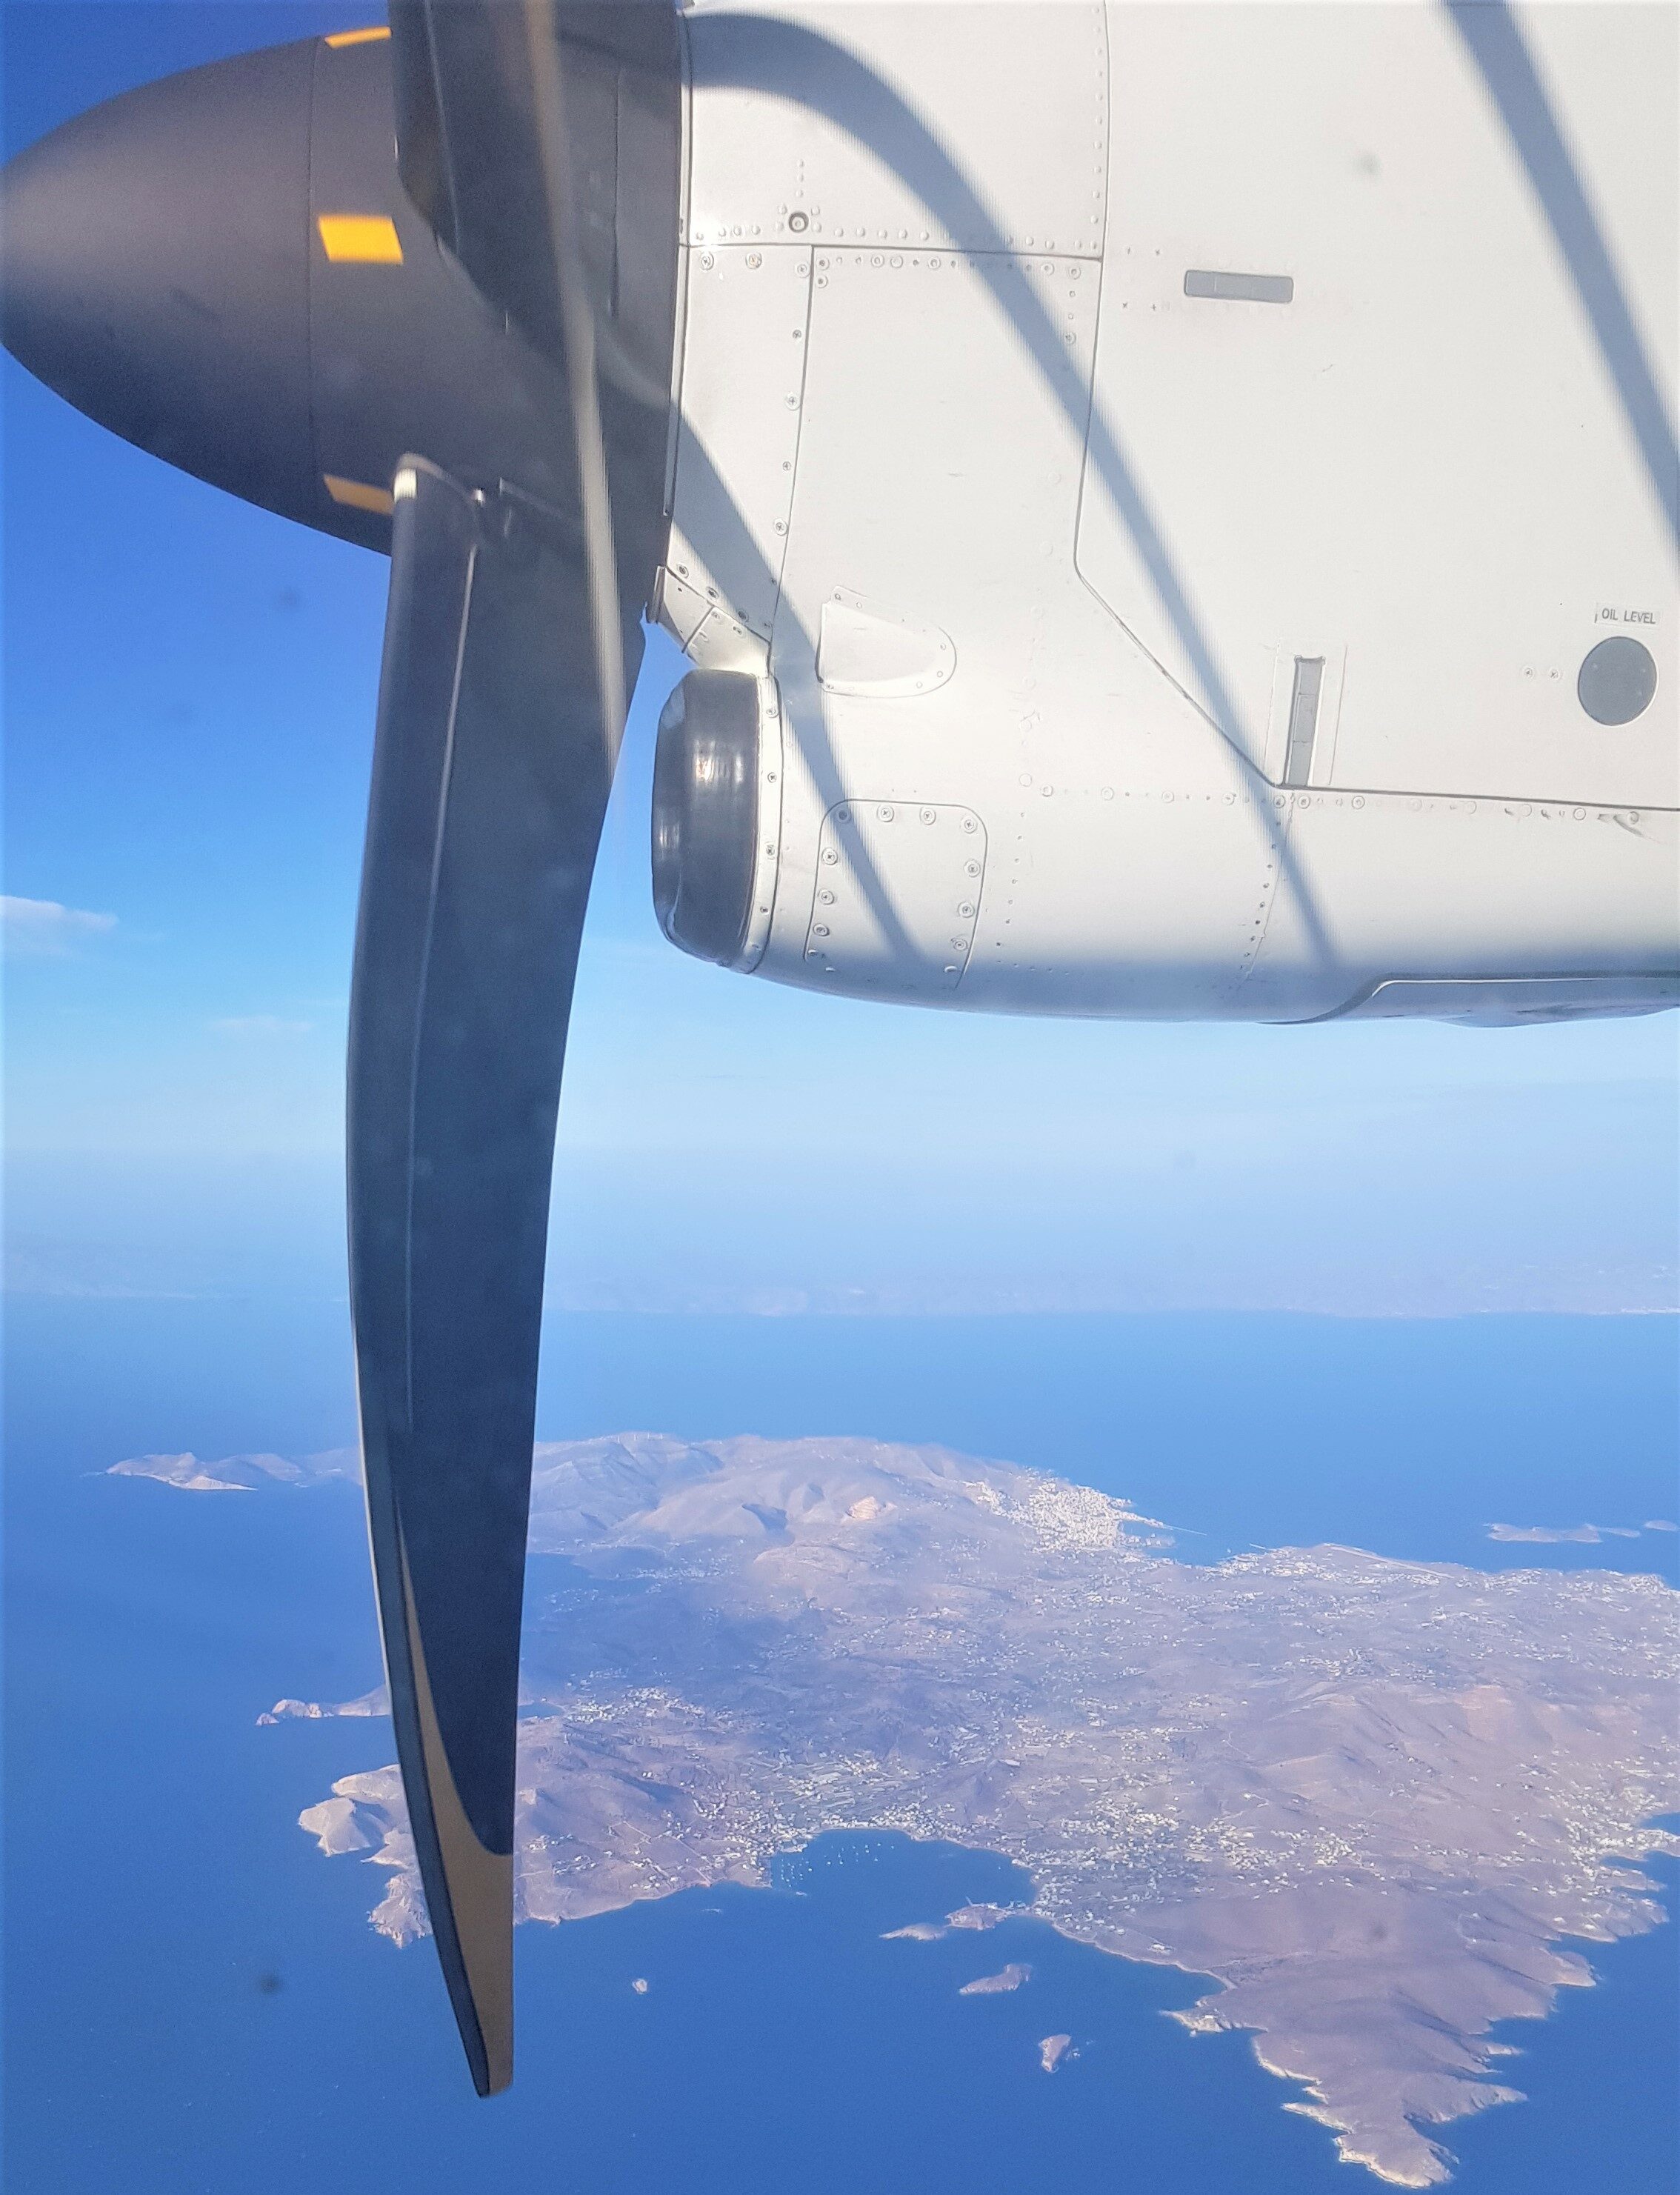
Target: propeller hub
{"type": "Point", "coordinates": [156, 270]}
{"type": "Point", "coordinates": [223, 267]}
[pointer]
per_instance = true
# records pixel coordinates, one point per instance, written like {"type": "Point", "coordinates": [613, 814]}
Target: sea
{"type": "Point", "coordinates": [195, 2004]}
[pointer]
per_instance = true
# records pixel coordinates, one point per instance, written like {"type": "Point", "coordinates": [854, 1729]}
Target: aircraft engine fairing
{"type": "Point", "coordinates": [1207, 447]}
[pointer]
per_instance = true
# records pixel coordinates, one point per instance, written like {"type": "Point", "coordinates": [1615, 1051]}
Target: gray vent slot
{"type": "Point", "coordinates": [1242, 288]}
{"type": "Point", "coordinates": [1303, 701]}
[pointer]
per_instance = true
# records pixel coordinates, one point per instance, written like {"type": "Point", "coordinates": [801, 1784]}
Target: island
{"type": "Point", "coordinates": [1374, 1801]}
{"type": "Point", "coordinates": [998, 1985]}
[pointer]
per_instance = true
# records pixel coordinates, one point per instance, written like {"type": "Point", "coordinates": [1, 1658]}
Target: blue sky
{"type": "Point", "coordinates": [188, 692]}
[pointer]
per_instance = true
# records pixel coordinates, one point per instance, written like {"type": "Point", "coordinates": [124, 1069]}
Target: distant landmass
{"type": "Point", "coordinates": [239, 1474]}
{"type": "Point", "coordinates": [1369, 1798]}
{"type": "Point", "coordinates": [1588, 1536]}
{"type": "Point", "coordinates": [998, 1985]}
{"type": "Point", "coordinates": [1053, 2049]}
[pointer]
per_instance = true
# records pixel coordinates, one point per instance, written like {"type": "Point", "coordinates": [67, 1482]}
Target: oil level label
{"type": "Point", "coordinates": [897, 896]}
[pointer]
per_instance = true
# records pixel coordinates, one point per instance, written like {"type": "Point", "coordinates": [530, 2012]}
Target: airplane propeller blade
{"type": "Point", "coordinates": [230, 269]}
{"type": "Point", "coordinates": [502, 703]}
{"type": "Point", "coordinates": [490, 782]}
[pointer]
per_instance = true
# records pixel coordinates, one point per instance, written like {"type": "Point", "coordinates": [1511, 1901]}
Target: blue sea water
{"type": "Point", "coordinates": [195, 2003]}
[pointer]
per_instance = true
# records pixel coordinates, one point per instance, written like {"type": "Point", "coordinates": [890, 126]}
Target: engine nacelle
{"type": "Point", "coordinates": [716, 815]}
{"type": "Point", "coordinates": [1139, 655]}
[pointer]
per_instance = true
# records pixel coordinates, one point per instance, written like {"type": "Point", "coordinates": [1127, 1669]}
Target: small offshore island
{"type": "Point", "coordinates": [1368, 1797]}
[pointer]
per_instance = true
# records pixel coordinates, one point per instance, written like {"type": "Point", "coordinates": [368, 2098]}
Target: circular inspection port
{"type": "Point", "coordinates": [1617, 681]}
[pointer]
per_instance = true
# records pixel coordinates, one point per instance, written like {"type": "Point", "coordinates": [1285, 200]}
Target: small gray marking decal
{"type": "Point", "coordinates": [1246, 289]}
